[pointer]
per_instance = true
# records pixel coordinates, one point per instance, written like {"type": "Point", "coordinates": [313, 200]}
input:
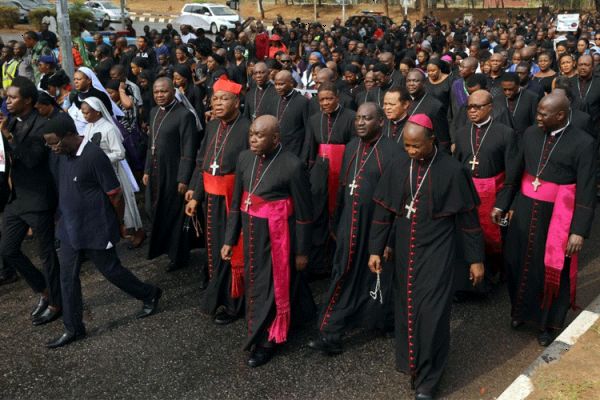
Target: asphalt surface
{"type": "Point", "coordinates": [180, 354]}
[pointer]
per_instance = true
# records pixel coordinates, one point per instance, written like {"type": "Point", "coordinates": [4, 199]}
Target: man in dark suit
{"type": "Point", "coordinates": [7, 273]}
{"type": "Point", "coordinates": [32, 200]}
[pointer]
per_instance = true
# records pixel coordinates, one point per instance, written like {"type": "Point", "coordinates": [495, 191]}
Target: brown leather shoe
{"type": "Point", "coordinates": [137, 239]}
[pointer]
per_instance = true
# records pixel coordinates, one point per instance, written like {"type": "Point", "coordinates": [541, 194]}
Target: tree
{"type": "Point", "coordinates": [386, 7]}
{"type": "Point", "coordinates": [422, 9]}
{"type": "Point", "coordinates": [261, 9]}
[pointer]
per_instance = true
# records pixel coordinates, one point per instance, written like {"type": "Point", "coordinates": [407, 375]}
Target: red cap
{"type": "Point", "coordinates": [226, 85]}
{"type": "Point", "coordinates": [421, 120]}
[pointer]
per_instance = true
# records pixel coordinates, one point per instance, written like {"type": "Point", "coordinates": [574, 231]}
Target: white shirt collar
{"type": "Point", "coordinates": [81, 146]}
{"type": "Point", "coordinates": [556, 132]}
{"type": "Point", "coordinates": [484, 122]}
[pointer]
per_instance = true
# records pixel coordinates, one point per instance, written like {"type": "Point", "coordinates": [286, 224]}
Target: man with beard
{"type": "Point", "coordinates": [348, 303]}
{"type": "Point", "coordinates": [291, 111]}
{"type": "Point", "coordinates": [521, 104]}
{"type": "Point", "coordinates": [396, 103]}
{"type": "Point", "coordinates": [429, 200]}
{"type": "Point", "coordinates": [424, 103]}
{"type": "Point", "coordinates": [172, 144]}
{"type": "Point", "coordinates": [488, 149]}
{"type": "Point", "coordinates": [272, 205]}
{"type": "Point", "coordinates": [261, 96]}
{"type": "Point", "coordinates": [329, 130]}
{"type": "Point", "coordinates": [212, 187]}
{"type": "Point", "coordinates": [553, 213]}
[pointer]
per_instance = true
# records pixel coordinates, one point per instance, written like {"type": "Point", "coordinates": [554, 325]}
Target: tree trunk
{"type": "Point", "coordinates": [597, 4]}
{"type": "Point", "coordinates": [386, 8]}
{"type": "Point", "coordinates": [445, 3]}
{"type": "Point", "coordinates": [422, 8]}
{"type": "Point", "coordinates": [262, 9]}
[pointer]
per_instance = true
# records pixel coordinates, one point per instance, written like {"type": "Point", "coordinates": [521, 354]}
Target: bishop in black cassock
{"type": "Point", "coordinates": [429, 199]}
{"type": "Point", "coordinates": [272, 206]}
{"type": "Point", "coordinates": [557, 158]}
{"type": "Point", "coordinates": [172, 144]}
{"type": "Point", "coordinates": [212, 185]}
{"type": "Point", "coordinates": [396, 103]}
{"type": "Point", "coordinates": [348, 303]}
{"type": "Point", "coordinates": [521, 104]}
{"type": "Point", "coordinates": [261, 96]}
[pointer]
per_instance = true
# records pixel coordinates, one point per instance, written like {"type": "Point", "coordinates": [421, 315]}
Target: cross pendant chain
{"type": "Point", "coordinates": [474, 163]}
{"type": "Point", "coordinates": [247, 203]}
{"type": "Point", "coordinates": [153, 148]}
{"type": "Point", "coordinates": [214, 166]}
{"type": "Point", "coordinates": [352, 186]}
{"type": "Point", "coordinates": [410, 209]}
{"type": "Point", "coordinates": [536, 183]}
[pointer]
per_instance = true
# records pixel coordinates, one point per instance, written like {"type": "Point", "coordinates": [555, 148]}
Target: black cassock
{"type": "Point", "coordinates": [496, 146]}
{"type": "Point", "coordinates": [395, 130]}
{"type": "Point", "coordinates": [348, 303]}
{"type": "Point", "coordinates": [286, 177]}
{"type": "Point", "coordinates": [572, 161]}
{"type": "Point", "coordinates": [172, 145]}
{"type": "Point", "coordinates": [424, 256]}
{"type": "Point", "coordinates": [345, 99]}
{"type": "Point", "coordinates": [259, 101]}
{"type": "Point", "coordinates": [587, 98]}
{"type": "Point", "coordinates": [499, 113]}
{"type": "Point", "coordinates": [221, 146]}
{"type": "Point", "coordinates": [434, 109]}
{"type": "Point", "coordinates": [292, 113]}
{"type": "Point", "coordinates": [522, 110]}
{"type": "Point", "coordinates": [335, 128]}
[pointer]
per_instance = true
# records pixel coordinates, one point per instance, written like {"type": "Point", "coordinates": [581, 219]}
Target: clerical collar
{"type": "Point", "coordinates": [25, 117]}
{"type": "Point", "coordinates": [289, 95]}
{"type": "Point", "coordinates": [263, 88]}
{"type": "Point", "coordinates": [335, 111]}
{"type": "Point", "coordinates": [169, 106]}
{"type": "Point", "coordinates": [371, 142]}
{"type": "Point", "coordinates": [429, 156]}
{"type": "Point", "coordinates": [272, 153]}
{"type": "Point", "coordinates": [559, 131]}
{"type": "Point", "coordinates": [417, 96]}
{"type": "Point", "coordinates": [583, 79]}
{"type": "Point", "coordinates": [397, 121]}
{"type": "Point", "coordinates": [484, 123]}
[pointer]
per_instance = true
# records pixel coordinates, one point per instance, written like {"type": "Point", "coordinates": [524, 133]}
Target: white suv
{"type": "Point", "coordinates": [111, 11]}
{"type": "Point", "coordinates": [211, 16]}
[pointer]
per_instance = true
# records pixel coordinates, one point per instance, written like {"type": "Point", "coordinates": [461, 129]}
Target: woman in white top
{"type": "Point", "coordinates": [101, 130]}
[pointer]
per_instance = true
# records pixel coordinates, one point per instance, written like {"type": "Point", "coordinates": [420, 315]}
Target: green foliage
{"type": "Point", "coordinates": [78, 15]}
{"type": "Point", "coordinates": [9, 16]}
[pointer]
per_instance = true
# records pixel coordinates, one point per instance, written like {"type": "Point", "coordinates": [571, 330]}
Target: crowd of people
{"type": "Point", "coordinates": [410, 165]}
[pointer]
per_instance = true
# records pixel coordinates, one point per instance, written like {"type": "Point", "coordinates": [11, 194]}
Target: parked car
{"type": "Point", "coordinates": [211, 16]}
{"type": "Point", "coordinates": [369, 16]}
{"type": "Point", "coordinates": [98, 15]}
{"type": "Point", "coordinates": [111, 11]}
{"type": "Point", "coordinates": [24, 6]}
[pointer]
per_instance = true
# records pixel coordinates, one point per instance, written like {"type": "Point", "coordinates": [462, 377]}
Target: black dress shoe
{"type": "Point", "coordinates": [47, 316]}
{"type": "Point", "coordinates": [545, 338]}
{"type": "Point", "coordinates": [150, 306]}
{"type": "Point", "coordinates": [515, 323]}
{"type": "Point", "coordinates": [326, 346]}
{"type": "Point", "coordinates": [223, 318]}
{"type": "Point", "coordinates": [65, 339]}
{"type": "Point", "coordinates": [40, 308]}
{"type": "Point", "coordinates": [6, 279]}
{"type": "Point", "coordinates": [423, 396]}
{"type": "Point", "coordinates": [260, 356]}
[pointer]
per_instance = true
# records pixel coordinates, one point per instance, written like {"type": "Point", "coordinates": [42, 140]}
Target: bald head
{"type": "Point", "coordinates": [553, 112]}
{"type": "Point", "coordinates": [284, 83]}
{"type": "Point", "coordinates": [468, 67]}
{"type": "Point", "coordinates": [284, 75]}
{"type": "Point", "coordinates": [324, 75]}
{"type": "Point", "coordinates": [555, 102]}
{"type": "Point", "coordinates": [479, 106]}
{"type": "Point", "coordinates": [263, 135]}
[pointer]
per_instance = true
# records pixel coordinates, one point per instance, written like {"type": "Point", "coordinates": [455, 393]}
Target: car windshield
{"type": "Point", "coordinates": [109, 6]}
{"type": "Point", "coordinates": [222, 11]}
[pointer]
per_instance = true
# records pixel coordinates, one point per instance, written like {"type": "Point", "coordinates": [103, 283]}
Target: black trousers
{"type": "Point", "coordinates": [108, 263]}
{"type": "Point", "coordinates": [14, 229]}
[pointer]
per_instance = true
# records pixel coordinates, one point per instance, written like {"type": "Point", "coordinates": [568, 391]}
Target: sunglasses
{"type": "Point", "coordinates": [477, 106]}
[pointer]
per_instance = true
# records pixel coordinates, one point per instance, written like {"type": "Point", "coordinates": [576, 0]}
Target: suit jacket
{"type": "Point", "coordinates": [33, 188]}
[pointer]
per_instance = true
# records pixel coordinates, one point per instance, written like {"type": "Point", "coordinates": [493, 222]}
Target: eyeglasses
{"type": "Point", "coordinates": [477, 107]}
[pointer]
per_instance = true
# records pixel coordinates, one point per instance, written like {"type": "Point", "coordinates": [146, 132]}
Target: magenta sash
{"type": "Point", "coordinates": [335, 154]}
{"type": "Point", "coordinates": [487, 189]}
{"type": "Point", "coordinates": [276, 213]}
{"type": "Point", "coordinates": [563, 197]}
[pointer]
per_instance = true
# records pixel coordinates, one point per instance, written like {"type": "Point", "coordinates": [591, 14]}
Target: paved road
{"type": "Point", "coordinates": [181, 354]}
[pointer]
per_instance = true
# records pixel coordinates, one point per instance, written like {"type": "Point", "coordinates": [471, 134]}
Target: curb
{"type": "Point", "coordinates": [153, 18]}
{"type": "Point", "coordinates": [523, 385]}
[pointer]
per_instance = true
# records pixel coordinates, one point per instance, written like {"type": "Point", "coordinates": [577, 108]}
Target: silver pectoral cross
{"type": "Point", "coordinates": [352, 186]}
{"type": "Point", "coordinates": [247, 203]}
{"type": "Point", "coordinates": [536, 183]}
{"type": "Point", "coordinates": [214, 166]}
{"type": "Point", "coordinates": [410, 209]}
{"type": "Point", "coordinates": [474, 163]}
{"type": "Point", "coordinates": [153, 148]}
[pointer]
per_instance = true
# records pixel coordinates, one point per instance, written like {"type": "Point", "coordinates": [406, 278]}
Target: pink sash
{"type": "Point", "coordinates": [335, 154]}
{"type": "Point", "coordinates": [487, 189]}
{"type": "Point", "coordinates": [276, 213]}
{"type": "Point", "coordinates": [563, 197]}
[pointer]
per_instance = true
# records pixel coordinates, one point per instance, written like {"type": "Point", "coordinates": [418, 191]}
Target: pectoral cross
{"type": "Point", "coordinates": [247, 203]}
{"type": "Point", "coordinates": [153, 148]}
{"type": "Point", "coordinates": [410, 209]}
{"type": "Point", "coordinates": [536, 183]}
{"type": "Point", "coordinates": [214, 166]}
{"type": "Point", "coordinates": [352, 186]}
{"type": "Point", "coordinates": [474, 163]}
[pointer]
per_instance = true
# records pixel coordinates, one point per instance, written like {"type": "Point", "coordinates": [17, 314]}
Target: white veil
{"type": "Point", "coordinates": [96, 84]}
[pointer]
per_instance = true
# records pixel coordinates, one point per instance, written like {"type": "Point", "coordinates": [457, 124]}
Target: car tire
{"type": "Point", "coordinates": [213, 28]}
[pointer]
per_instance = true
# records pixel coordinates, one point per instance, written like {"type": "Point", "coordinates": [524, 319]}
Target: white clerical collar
{"type": "Point", "coordinates": [84, 141]}
{"type": "Point", "coordinates": [556, 132]}
{"type": "Point", "coordinates": [169, 106]}
{"type": "Point", "coordinates": [479, 125]}
{"type": "Point", "coordinates": [289, 95]}
{"type": "Point", "coordinates": [402, 118]}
